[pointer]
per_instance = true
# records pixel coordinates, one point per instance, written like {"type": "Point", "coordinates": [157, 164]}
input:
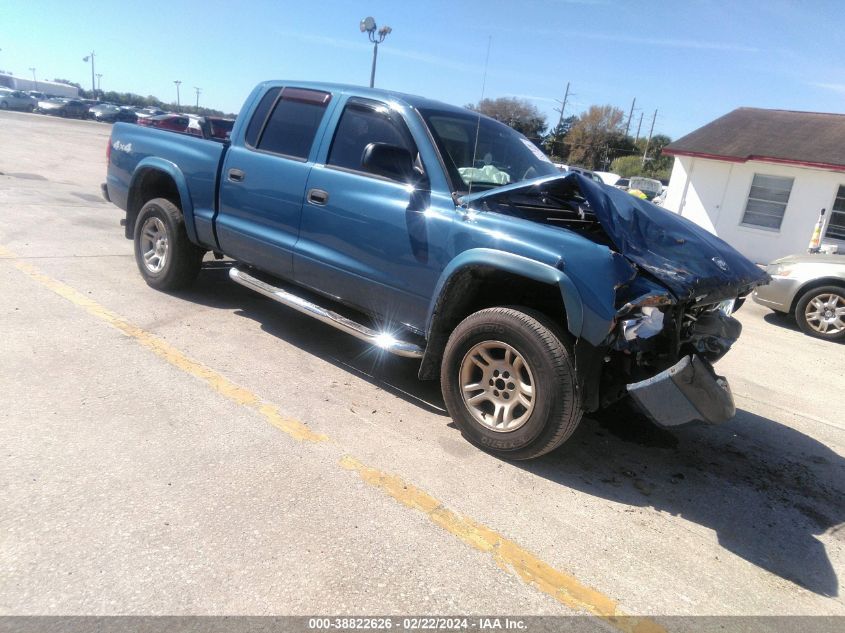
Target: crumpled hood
{"type": "Point", "coordinates": [690, 261]}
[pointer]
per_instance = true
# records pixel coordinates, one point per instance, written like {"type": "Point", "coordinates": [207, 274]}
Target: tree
{"type": "Point", "coordinates": [597, 136]}
{"type": "Point", "coordinates": [521, 115]}
{"type": "Point", "coordinates": [67, 82]}
{"type": "Point", "coordinates": [555, 144]}
{"type": "Point", "coordinates": [627, 166]}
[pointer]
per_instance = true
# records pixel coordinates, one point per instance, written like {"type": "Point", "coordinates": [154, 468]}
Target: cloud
{"type": "Point", "coordinates": [663, 42]}
{"type": "Point", "coordinates": [840, 88]}
{"type": "Point", "coordinates": [387, 51]}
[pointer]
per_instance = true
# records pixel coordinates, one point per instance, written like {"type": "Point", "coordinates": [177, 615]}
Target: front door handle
{"type": "Point", "coordinates": [318, 196]}
{"type": "Point", "coordinates": [236, 175]}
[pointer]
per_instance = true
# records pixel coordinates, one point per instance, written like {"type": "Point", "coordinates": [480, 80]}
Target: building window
{"type": "Point", "coordinates": [767, 201]}
{"type": "Point", "coordinates": [836, 223]}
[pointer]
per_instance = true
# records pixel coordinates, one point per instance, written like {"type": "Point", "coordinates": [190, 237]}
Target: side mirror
{"type": "Point", "coordinates": [390, 161]}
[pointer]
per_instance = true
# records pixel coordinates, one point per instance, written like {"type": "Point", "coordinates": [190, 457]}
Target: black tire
{"type": "Point", "coordinates": [801, 307]}
{"type": "Point", "coordinates": [4, 105]}
{"type": "Point", "coordinates": [545, 350]}
{"type": "Point", "coordinates": [182, 259]}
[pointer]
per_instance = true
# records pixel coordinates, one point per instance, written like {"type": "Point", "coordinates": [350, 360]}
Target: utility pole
{"type": "Point", "coordinates": [630, 115]}
{"type": "Point", "coordinates": [178, 83]}
{"type": "Point", "coordinates": [99, 87]}
{"type": "Point", "coordinates": [648, 142]}
{"type": "Point", "coordinates": [563, 105]}
{"type": "Point", "coordinates": [639, 125]}
{"type": "Point", "coordinates": [91, 58]}
{"type": "Point", "coordinates": [198, 91]}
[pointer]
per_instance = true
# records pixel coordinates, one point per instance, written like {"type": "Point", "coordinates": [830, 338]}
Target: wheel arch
{"type": "Point", "coordinates": [814, 283]}
{"type": "Point", "coordinates": [483, 278]}
{"type": "Point", "coordinates": [157, 178]}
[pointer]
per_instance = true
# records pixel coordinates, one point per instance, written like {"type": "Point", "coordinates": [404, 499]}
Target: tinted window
{"type": "Point", "coordinates": [360, 125]}
{"type": "Point", "coordinates": [291, 128]}
{"type": "Point", "coordinates": [260, 116]}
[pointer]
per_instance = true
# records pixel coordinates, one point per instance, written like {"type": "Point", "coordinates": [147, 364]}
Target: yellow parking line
{"type": "Point", "coordinates": [509, 556]}
{"type": "Point", "coordinates": [161, 348]}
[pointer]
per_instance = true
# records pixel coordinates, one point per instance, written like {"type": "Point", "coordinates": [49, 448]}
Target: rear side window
{"type": "Point", "coordinates": [292, 125]}
{"type": "Point", "coordinates": [260, 116]}
{"type": "Point", "coordinates": [362, 123]}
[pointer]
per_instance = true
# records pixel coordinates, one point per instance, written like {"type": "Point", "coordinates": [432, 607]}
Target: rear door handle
{"type": "Point", "coordinates": [236, 175]}
{"type": "Point", "coordinates": [318, 196]}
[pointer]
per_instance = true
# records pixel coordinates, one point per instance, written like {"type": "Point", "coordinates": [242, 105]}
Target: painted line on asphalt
{"type": "Point", "coordinates": [508, 555]}
{"type": "Point", "coordinates": [163, 349]}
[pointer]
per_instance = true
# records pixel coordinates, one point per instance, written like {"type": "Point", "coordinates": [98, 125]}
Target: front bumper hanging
{"type": "Point", "coordinates": [689, 390]}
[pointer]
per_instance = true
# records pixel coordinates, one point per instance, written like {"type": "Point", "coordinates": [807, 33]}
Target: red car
{"type": "Point", "coordinates": [205, 127]}
{"type": "Point", "coordinates": [174, 123]}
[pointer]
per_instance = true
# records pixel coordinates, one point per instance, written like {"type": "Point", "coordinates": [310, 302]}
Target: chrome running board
{"type": "Point", "coordinates": [385, 341]}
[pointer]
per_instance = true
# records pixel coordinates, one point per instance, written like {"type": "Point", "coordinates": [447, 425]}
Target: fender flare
{"type": "Point", "coordinates": [517, 265]}
{"type": "Point", "coordinates": [154, 163]}
{"type": "Point", "coordinates": [486, 258]}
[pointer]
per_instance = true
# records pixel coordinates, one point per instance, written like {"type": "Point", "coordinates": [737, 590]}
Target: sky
{"type": "Point", "coordinates": [691, 60]}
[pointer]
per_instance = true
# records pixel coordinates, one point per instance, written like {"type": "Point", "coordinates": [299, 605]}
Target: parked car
{"type": "Point", "coordinates": [811, 288]}
{"type": "Point", "coordinates": [16, 100]}
{"type": "Point", "coordinates": [580, 170]}
{"type": "Point", "coordinates": [182, 123]}
{"type": "Point", "coordinates": [111, 113]}
{"type": "Point", "coordinates": [143, 113]}
{"type": "Point", "coordinates": [63, 107]}
{"type": "Point", "coordinates": [649, 186]}
{"type": "Point", "coordinates": [533, 295]}
{"type": "Point", "coordinates": [219, 128]}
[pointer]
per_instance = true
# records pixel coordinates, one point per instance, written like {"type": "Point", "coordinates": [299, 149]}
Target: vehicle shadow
{"type": "Point", "coordinates": [394, 374]}
{"type": "Point", "coordinates": [765, 489]}
{"type": "Point", "coordinates": [780, 319]}
{"type": "Point", "coordinates": [787, 322]}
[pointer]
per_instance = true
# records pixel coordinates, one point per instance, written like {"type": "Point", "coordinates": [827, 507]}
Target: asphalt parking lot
{"type": "Point", "coordinates": [213, 453]}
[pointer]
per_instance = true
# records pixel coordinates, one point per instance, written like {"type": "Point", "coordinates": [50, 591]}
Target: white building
{"type": "Point", "coordinates": [759, 179]}
{"type": "Point", "coordinates": [47, 87]}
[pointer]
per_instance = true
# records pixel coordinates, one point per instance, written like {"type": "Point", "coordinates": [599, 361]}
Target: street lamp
{"type": "Point", "coordinates": [198, 91]}
{"type": "Point", "coordinates": [34, 80]}
{"type": "Point", "coordinates": [91, 58]}
{"type": "Point", "coordinates": [368, 26]}
{"type": "Point", "coordinates": [99, 77]}
{"type": "Point", "coordinates": [178, 103]}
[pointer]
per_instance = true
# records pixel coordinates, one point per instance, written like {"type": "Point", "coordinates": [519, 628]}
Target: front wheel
{"type": "Point", "coordinates": [509, 383]}
{"type": "Point", "coordinates": [820, 312]}
{"type": "Point", "coordinates": [167, 259]}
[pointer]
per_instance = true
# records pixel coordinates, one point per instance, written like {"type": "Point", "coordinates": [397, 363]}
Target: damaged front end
{"type": "Point", "coordinates": [662, 356]}
{"type": "Point", "coordinates": [672, 318]}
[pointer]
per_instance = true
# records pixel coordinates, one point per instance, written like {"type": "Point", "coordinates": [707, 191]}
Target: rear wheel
{"type": "Point", "coordinates": [4, 105]}
{"type": "Point", "coordinates": [820, 312]}
{"type": "Point", "coordinates": [508, 381]}
{"type": "Point", "coordinates": [166, 258]}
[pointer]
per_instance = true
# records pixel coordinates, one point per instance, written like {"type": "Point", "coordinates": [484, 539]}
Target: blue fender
{"type": "Point", "coordinates": [172, 170]}
{"type": "Point", "coordinates": [517, 265]}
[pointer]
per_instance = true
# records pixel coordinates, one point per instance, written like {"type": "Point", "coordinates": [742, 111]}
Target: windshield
{"type": "Point", "coordinates": [503, 156]}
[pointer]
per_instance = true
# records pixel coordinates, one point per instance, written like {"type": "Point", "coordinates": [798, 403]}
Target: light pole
{"type": "Point", "coordinates": [368, 26]}
{"type": "Point", "coordinates": [34, 80]}
{"type": "Point", "coordinates": [99, 77]}
{"type": "Point", "coordinates": [198, 90]}
{"type": "Point", "coordinates": [91, 58]}
{"type": "Point", "coordinates": [178, 83]}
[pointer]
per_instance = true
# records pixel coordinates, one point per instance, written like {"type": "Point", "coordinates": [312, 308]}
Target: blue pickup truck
{"type": "Point", "coordinates": [436, 233]}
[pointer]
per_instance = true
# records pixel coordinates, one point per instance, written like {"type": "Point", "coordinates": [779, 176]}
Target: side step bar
{"type": "Point", "coordinates": [381, 340]}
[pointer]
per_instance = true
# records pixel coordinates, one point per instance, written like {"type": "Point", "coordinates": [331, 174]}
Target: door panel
{"type": "Point", "coordinates": [263, 181]}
